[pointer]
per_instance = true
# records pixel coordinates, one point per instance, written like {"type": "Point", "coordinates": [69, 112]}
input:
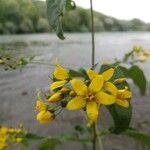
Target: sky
{"type": "Point", "coordinates": [121, 9]}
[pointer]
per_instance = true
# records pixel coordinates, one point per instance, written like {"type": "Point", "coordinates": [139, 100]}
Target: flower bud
{"type": "Point", "coordinates": [55, 97]}
{"type": "Point", "coordinates": [45, 117]}
{"type": "Point", "coordinates": [40, 105]}
{"type": "Point", "coordinates": [142, 58]}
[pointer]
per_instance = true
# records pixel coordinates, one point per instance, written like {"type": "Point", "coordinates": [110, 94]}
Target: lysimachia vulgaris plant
{"type": "Point", "coordinates": [87, 90]}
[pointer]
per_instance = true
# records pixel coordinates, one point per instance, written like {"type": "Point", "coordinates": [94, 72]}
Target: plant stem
{"type": "Point", "coordinates": [99, 139]}
{"type": "Point", "coordinates": [93, 39]}
{"type": "Point", "coordinates": [94, 137]}
{"type": "Point", "coordinates": [93, 62]}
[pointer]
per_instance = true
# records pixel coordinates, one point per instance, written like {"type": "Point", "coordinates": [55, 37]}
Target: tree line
{"type": "Point", "coordinates": [29, 16]}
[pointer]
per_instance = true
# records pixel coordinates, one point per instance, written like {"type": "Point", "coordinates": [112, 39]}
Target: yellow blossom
{"type": "Point", "coordinates": [19, 140]}
{"type": "Point", "coordinates": [122, 97]}
{"type": "Point", "coordinates": [137, 49]}
{"type": "Point", "coordinates": [61, 73]}
{"type": "Point", "coordinates": [147, 52]}
{"type": "Point", "coordinates": [142, 58]}
{"type": "Point", "coordinates": [1, 61]}
{"type": "Point", "coordinates": [40, 105]}
{"type": "Point", "coordinates": [45, 117]}
{"type": "Point", "coordinates": [106, 74]}
{"type": "Point", "coordinates": [90, 96]}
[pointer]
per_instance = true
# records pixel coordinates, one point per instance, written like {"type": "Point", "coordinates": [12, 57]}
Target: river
{"type": "Point", "coordinates": [18, 88]}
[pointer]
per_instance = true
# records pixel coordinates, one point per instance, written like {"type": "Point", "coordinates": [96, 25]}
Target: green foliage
{"type": "Point", "coordinates": [137, 75]}
{"type": "Point", "coordinates": [121, 117]}
{"type": "Point", "coordinates": [42, 25]}
{"type": "Point", "coordinates": [54, 13]}
{"type": "Point", "coordinates": [27, 26]}
{"type": "Point", "coordinates": [79, 73]}
{"type": "Point", "coordinates": [49, 144]}
{"type": "Point", "coordinates": [70, 5]}
{"type": "Point", "coordinates": [31, 136]}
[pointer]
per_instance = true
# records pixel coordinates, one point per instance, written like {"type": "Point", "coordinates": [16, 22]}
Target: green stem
{"type": "Point", "coordinates": [93, 38]}
{"type": "Point", "coordinates": [94, 137]}
{"type": "Point", "coordinates": [100, 143]}
{"type": "Point", "coordinates": [93, 62]}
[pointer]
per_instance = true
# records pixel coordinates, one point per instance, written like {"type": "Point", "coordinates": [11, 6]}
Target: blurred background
{"type": "Point", "coordinates": [24, 31]}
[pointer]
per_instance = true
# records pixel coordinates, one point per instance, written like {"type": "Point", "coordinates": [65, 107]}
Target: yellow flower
{"type": "Point", "coordinates": [40, 105]}
{"type": "Point", "coordinates": [142, 58]}
{"type": "Point", "coordinates": [4, 130]}
{"type": "Point", "coordinates": [61, 73]}
{"type": "Point", "coordinates": [1, 61]}
{"type": "Point", "coordinates": [90, 96]}
{"type": "Point", "coordinates": [106, 74]}
{"type": "Point", "coordinates": [147, 52]}
{"type": "Point", "coordinates": [3, 140]}
{"type": "Point", "coordinates": [18, 140]}
{"type": "Point", "coordinates": [137, 49]}
{"type": "Point", "coordinates": [55, 97]}
{"type": "Point", "coordinates": [122, 97]}
{"type": "Point", "coordinates": [45, 117]}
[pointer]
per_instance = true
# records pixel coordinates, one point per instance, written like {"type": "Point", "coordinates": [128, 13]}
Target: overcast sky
{"type": "Point", "coordinates": [121, 9]}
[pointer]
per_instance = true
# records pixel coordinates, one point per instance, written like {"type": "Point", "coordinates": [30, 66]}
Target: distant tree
{"type": "Point", "coordinates": [42, 25]}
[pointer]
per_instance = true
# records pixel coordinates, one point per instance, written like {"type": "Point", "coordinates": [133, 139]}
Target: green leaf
{"type": "Point", "coordinates": [70, 5]}
{"type": "Point", "coordinates": [127, 56]}
{"type": "Point", "coordinates": [143, 137]}
{"type": "Point", "coordinates": [79, 73]}
{"type": "Point", "coordinates": [31, 136]}
{"type": "Point", "coordinates": [49, 144]}
{"type": "Point", "coordinates": [55, 13]}
{"type": "Point", "coordinates": [138, 77]}
{"type": "Point", "coordinates": [121, 117]}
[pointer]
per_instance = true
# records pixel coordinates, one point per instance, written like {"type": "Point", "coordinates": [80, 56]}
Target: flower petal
{"type": "Point", "coordinates": [79, 87]}
{"type": "Point", "coordinates": [57, 84]}
{"type": "Point", "coordinates": [60, 73]}
{"type": "Point", "coordinates": [76, 103]}
{"type": "Point", "coordinates": [108, 74]}
{"type": "Point", "coordinates": [109, 87]}
{"type": "Point", "coordinates": [91, 74]}
{"type": "Point", "coordinates": [92, 111]}
{"type": "Point", "coordinates": [124, 94]}
{"type": "Point", "coordinates": [96, 84]}
{"type": "Point", "coordinates": [123, 103]}
{"type": "Point", "coordinates": [104, 98]}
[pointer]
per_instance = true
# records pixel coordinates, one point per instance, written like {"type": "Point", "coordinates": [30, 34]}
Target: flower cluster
{"type": "Point", "coordinates": [89, 93]}
{"type": "Point", "coordinates": [10, 135]}
{"type": "Point", "coordinates": [142, 54]}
